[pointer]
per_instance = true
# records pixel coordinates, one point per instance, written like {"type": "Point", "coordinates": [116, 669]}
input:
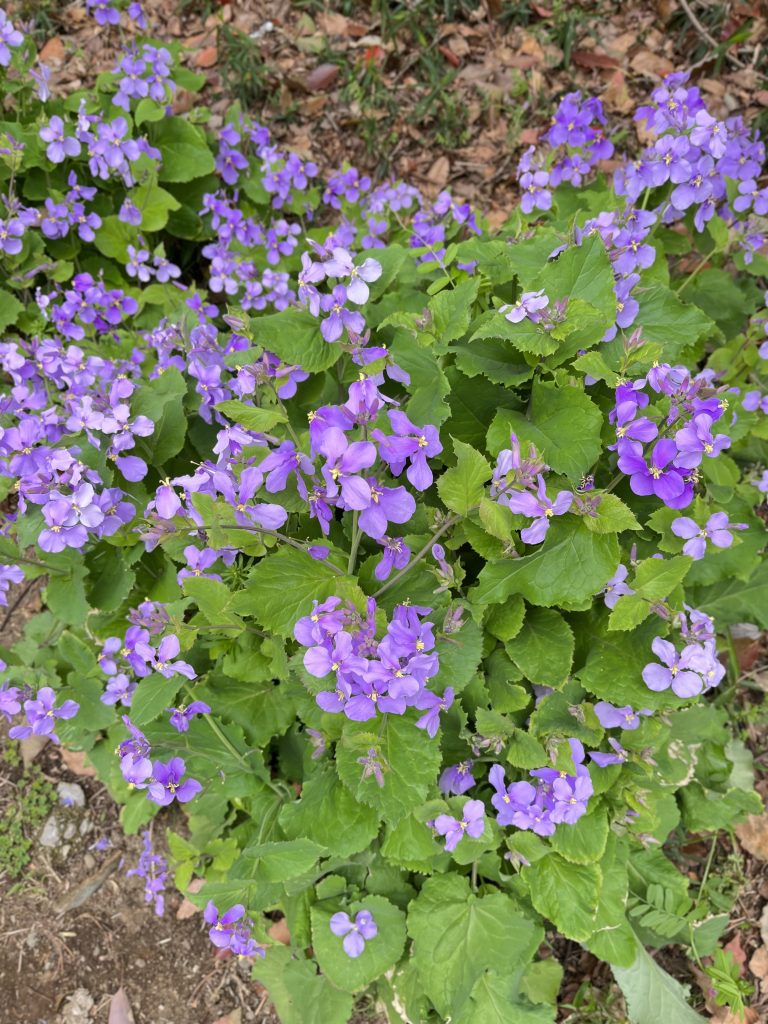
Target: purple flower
{"type": "Point", "coordinates": [388, 505]}
{"type": "Point", "coordinates": [153, 868]}
{"type": "Point", "coordinates": [535, 194]}
{"type": "Point", "coordinates": [103, 12]}
{"type": "Point", "coordinates": [181, 717]}
{"type": "Point", "coordinates": [9, 36]}
{"type": "Point", "coordinates": [619, 755]}
{"type": "Point", "coordinates": [616, 587]}
{"type": "Point", "coordinates": [537, 507]}
{"type": "Point", "coordinates": [166, 785]}
{"type": "Point", "coordinates": [222, 929]}
{"type": "Point", "coordinates": [62, 527]}
{"type": "Point", "coordinates": [433, 705]}
{"type": "Point", "coordinates": [8, 574]}
{"type": "Point", "coordinates": [119, 689]}
{"type": "Point", "coordinates": [162, 659]}
{"type": "Point", "coordinates": [356, 933]}
{"type": "Point", "coordinates": [472, 824]}
{"type": "Point", "coordinates": [9, 700]}
{"type": "Point", "coordinates": [411, 444]}
{"type": "Point", "coordinates": [60, 146]}
{"type": "Point", "coordinates": [611, 717]}
{"type": "Point", "coordinates": [695, 440]}
{"type": "Point", "coordinates": [197, 562]}
{"type": "Point", "coordinates": [457, 778]}
{"type": "Point", "coordinates": [660, 478]}
{"type": "Point", "coordinates": [338, 656]}
{"type": "Point", "coordinates": [528, 305]}
{"type": "Point", "coordinates": [41, 715]}
{"type": "Point", "coordinates": [717, 530]}
{"type": "Point", "coordinates": [344, 461]}
{"type": "Point", "coordinates": [339, 316]}
{"type": "Point", "coordinates": [683, 672]}
{"type": "Point", "coordinates": [11, 232]}
{"type": "Point", "coordinates": [508, 800]}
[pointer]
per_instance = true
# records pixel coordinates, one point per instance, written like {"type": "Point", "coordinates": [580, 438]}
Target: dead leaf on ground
{"type": "Point", "coordinates": [759, 963]}
{"type": "Point", "coordinates": [646, 62]}
{"type": "Point", "coordinates": [753, 835]}
{"type": "Point", "coordinates": [207, 57]}
{"type": "Point", "coordinates": [724, 1016]}
{"type": "Point", "coordinates": [321, 78]}
{"type": "Point", "coordinates": [616, 96]}
{"type": "Point", "coordinates": [83, 892]}
{"type": "Point", "coordinates": [736, 950]}
{"type": "Point", "coordinates": [53, 52]}
{"type": "Point", "coordinates": [31, 747]}
{"type": "Point", "coordinates": [120, 1011]}
{"type": "Point", "coordinates": [439, 171]}
{"type": "Point", "coordinates": [593, 59]}
{"type": "Point", "coordinates": [233, 1017]}
{"type": "Point", "coordinates": [75, 760]}
{"type": "Point", "coordinates": [333, 24]}
{"type": "Point", "coordinates": [187, 908]}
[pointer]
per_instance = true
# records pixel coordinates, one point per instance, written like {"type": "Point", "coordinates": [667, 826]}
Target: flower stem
{"type": "Point", "coordinates": [420, 554]}
{"type": "Point", "coordinates": [357, 534]}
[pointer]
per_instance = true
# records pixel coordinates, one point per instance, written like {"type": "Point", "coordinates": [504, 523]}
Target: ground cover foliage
{"type": "Point", "coordinates": [402, 553]}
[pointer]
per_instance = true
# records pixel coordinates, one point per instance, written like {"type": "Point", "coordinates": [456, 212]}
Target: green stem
{"type": "Point", "coordinates": [357, 535]}
{"type": "Point", "coordinates": [700, 266]}
{"type": "Point", "coordinates": [451, 521]}
{"type": "Point", "coordinates": [299, 545]}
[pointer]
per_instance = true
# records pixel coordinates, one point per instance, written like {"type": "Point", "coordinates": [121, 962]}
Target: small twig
{"type": "Point", "coordinates": [704, 33]}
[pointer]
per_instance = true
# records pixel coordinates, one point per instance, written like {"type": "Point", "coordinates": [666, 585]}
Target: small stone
{"type": "Point", "coordinates": [764, 925]}
{"type": "Point", "coordinates": [51, 833]}
{"type": "Point", "coordinates": [321, 78]}
{"type": "Point", "coordinates": [71, 794]}
{"type": "Point", "coordinates": [759, 963]}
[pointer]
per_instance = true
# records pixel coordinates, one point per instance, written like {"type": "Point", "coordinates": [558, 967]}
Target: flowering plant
{"type": "Point", "coordinates": [399, 553]}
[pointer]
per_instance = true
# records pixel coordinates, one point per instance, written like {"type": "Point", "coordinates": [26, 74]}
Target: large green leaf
{"type": "Point", "coordinates": [294, 335]}
{"type": "Point", "coordinates": [162, 400]}
{"type": "Point", "coordinates": [564, 424]}
{"type": "Point", "coordinates": [329, 815]}
{"type": "Point", "coordinates": [568, 569]}
{"type": "Point", "coordinates": [652, 995]}
{"type": "Point", "coordinates": [183, 149]}
{"type": "Point", "coordinates": [380, 954]}
{"type": "Point", "coordinates": [565, 893]}
{"type": "Point", "coordinates": [736, 601]}
{"type": "Point", "coordinates": [674, 324]}
{"type": "Point", "coordinates": [462, 486]}
{"type": "Point", "coordinates": [409, 762]}
{"type": "Point", "coordinates": [543, 650]}
{"type": "Point", "coordinates": [458, 936]}
{"type": "Point", "coordinates": [299, 994]}
{"type": "Point", "coordinates": [655, 579]}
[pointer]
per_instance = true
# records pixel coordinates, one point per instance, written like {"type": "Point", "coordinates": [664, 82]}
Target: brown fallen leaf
{"type": "Point", "coordinates": [646, 62]}
{"type": "Point", "coordinates": [450, 56]}
{"type": "Point", "coordinates": [616, 96]}
{"type": "Point", "coordinates": [759, 963]}
{"type": "Point", "coordinates": [83, 892]}
{"type": "Point", "coordinates": [321, 78]}
{"type": "Point", "coordinates": [724, 1016]}
{"type": "Point", "coordinates": [439, 171]}
{"type": "Point", "coordinates": [207, 57]}
{"type": "Point", "coordinates": [53, 52]}
{"type": "Point", "coordinates": [31, 747]}
{"type": "Point", "coordinates": [736, 950]}
{"type": "Point", "coordinates": [120, 1011]}
{"type": "Point", "coordinates": [593, 59]}
{"type": "Point", "coordinates": [233, 1017]}
{"type": "Point", "coordinates": [333, 24]}
{"type": "Point", "coordinates": [753, 835]}
{"type": "Point", "coordinates": [188, 908]}
{"type": "Point", "coordinates": [75, 760]}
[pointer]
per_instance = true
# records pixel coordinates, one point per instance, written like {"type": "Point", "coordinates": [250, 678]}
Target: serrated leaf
{"type": "Point", "coordinates": [564, 424]}
{"type": "Point", "coordinates": [299, 994]}
{"type": "Point", "coordinates": [409, 761]}
{"type": "Point", "coordinates": [152, 695]}
{"type": "Point", "coordinates": [652, 995]}
{"type": "Point", "coordinates": [543, 650]}
{"type": "Point", "coordinates": [611, 516]}
{"type": "Point", "coordinates": [526, 336]}
{"type": "Point", "coordinates": [184, 152]}
{"type": "Point", "coordinates": [655, 579]}
{"type": "Point", "coordinates": [294, 335]}
{"type": "Point", "coordinates": [585, 841]}
{"type": "Point", "coordinates": [329, 815]}
{"type": "Point", "coordinates": [463, 486]}
{"type": "Point", "coordinates": [251, 417]}
{"type": "Point", "coordinates": [452, 310]}
{"type": "Point", "coordinates": [458, 936]}
{"type": "Point", "coordinates": [567, 894]}
{"type": "Point", "coordinates": [279, 862]}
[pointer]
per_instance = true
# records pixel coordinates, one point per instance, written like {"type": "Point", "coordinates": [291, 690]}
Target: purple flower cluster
{"type": "Point", "coordinates": [9, 37]}
{"type": "Point", "coordinates": [510, 474]}
{"type": "Point", "coordinates": [232, 930]}
{"type": "Point", "coordinates": [670, 469]}
{"type": "Point", "coordinates": [334, 262]}
{"type": "Point", "coordinates": [41, 713]}
{"type": "Point", "coordinates": [558, 797]}
{"type": "Point", "coordinates": [471, 823]}
{"type": "Point", "coordinates": [692, 670]}
{"type": "Point", "coordinates": [8, 574]}
{"type": "Point", "coordinates": [144, 75]}
{"type": "Point", "coordinates": [372, 676]}
{"type": "Point", "coordinates": [717, 530]}
{"type": "Point", "coordinates": [164, 781]}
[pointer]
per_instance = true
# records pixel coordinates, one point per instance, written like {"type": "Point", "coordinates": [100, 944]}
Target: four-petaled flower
{"type": "Point", "coordinates": [472, 823]}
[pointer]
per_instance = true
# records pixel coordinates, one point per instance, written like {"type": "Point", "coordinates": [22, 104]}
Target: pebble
{"type": "Point", "coordinates": [71, 794]}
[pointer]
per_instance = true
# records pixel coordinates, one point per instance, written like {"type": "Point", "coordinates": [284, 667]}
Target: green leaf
{"type": "Point", "coordinates": [155, 205]}
{"type": "Point", "coordinates": [543, 650]}
{"type": "Point", "coordinates": [655, 579]}
{"type": "Point", "coordinates": [564, 424]}
{"type": "Point", "coordinates": [152, 695]}
{"type": "Point", "coordinates": [735, 601]}
{"type": "Point", "coordinates": [652, 995]}
{"type": "Point", "coordinates": [674, 324]}
{"type": "Point", "coordinates": [410, 843]}
{"type": "Point", "coordinates": [409, 761]}
{"type": "Point", "coordinates": [183, 148]}
{"type": "Point", "coordinates": [281, 588]}
{"type": "Point", "coordinates": [113, 238]}
{"type": "Point", "coordinates": [329, 815]}
{"type": "Point", "coordinates": [504, 621]}
{"type": "Point", "coordinates": [462, 486]}
{"type": "Point", "coordinates": [526, 336]}
{"type": "Point", "coordinates": [299, 994]}
{"type": "Point", "coordinates": [148, 110]}
{"type": "Point", "coordinates": [568, 569]}
{"type": "Point", "coordinates": [567, 894]}
{"type": "Point", "coordinates": [214, 600]}
{"type": "Point", "coordinates": [294, 335]}
{"type": "Point", "coordinates": [494, 359]}
{"type": "Point", "coordinates": [458, 936]}
{"type": "Point", "coordinates": [10, 307]}
{"type": "Point", "coordinates": [279, 862]}
{"type": "Point", "coordinates": [452, 310]}
{"type": "Point", "coordinates": [582, 272]}
{"type": "Point", "coordinates": [612, 516]}
{"type": "Point", "coordinates": [252, 417]}
{"type": "Point", "coordinates": [380, 953]}
{"type": "Point", "coordinates": [162, 400]}
{"type": "Point", "coordinates": [614, 665]}
{"type": "Point", "coordinates": [494, 1000]}
{"type": "Point", "coordinates": [584, 842]}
